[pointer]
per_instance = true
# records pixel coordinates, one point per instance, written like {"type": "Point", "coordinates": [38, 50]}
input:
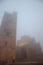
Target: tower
{"type": "Point", "coordinates": [8, 36]}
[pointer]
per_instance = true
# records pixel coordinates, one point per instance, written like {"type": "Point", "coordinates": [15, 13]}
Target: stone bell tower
{"type": "Point", "coordinates": [8, 36]}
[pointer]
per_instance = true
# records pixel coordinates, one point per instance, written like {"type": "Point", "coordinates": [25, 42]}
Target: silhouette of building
{"type": "Point", "coordinates": [28, 49]}
{"type": "Point", "coordinates": [8, 37]}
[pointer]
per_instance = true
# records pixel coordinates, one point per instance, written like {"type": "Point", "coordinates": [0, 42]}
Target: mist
{"type": "Point", "coordinates": [29, 17]}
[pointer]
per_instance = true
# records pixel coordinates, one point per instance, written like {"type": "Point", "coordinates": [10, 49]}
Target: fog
{"type": "Point", "coordinates": [29, 17]}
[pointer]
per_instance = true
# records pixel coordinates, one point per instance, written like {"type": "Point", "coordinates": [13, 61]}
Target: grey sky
{"type": "Point", "coordinates": [29, 17]}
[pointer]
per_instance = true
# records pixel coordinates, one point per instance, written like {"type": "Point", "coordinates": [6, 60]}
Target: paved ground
{"type": "Point", "coordinates": [22, 63]}
{"type": "Point", "coordinates": [26, 63]}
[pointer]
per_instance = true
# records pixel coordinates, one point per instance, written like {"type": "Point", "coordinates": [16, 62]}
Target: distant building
{"type": "Point", "coordinates": [8, 36]}
{"type": "Point", "coordinates": [28, 49]}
